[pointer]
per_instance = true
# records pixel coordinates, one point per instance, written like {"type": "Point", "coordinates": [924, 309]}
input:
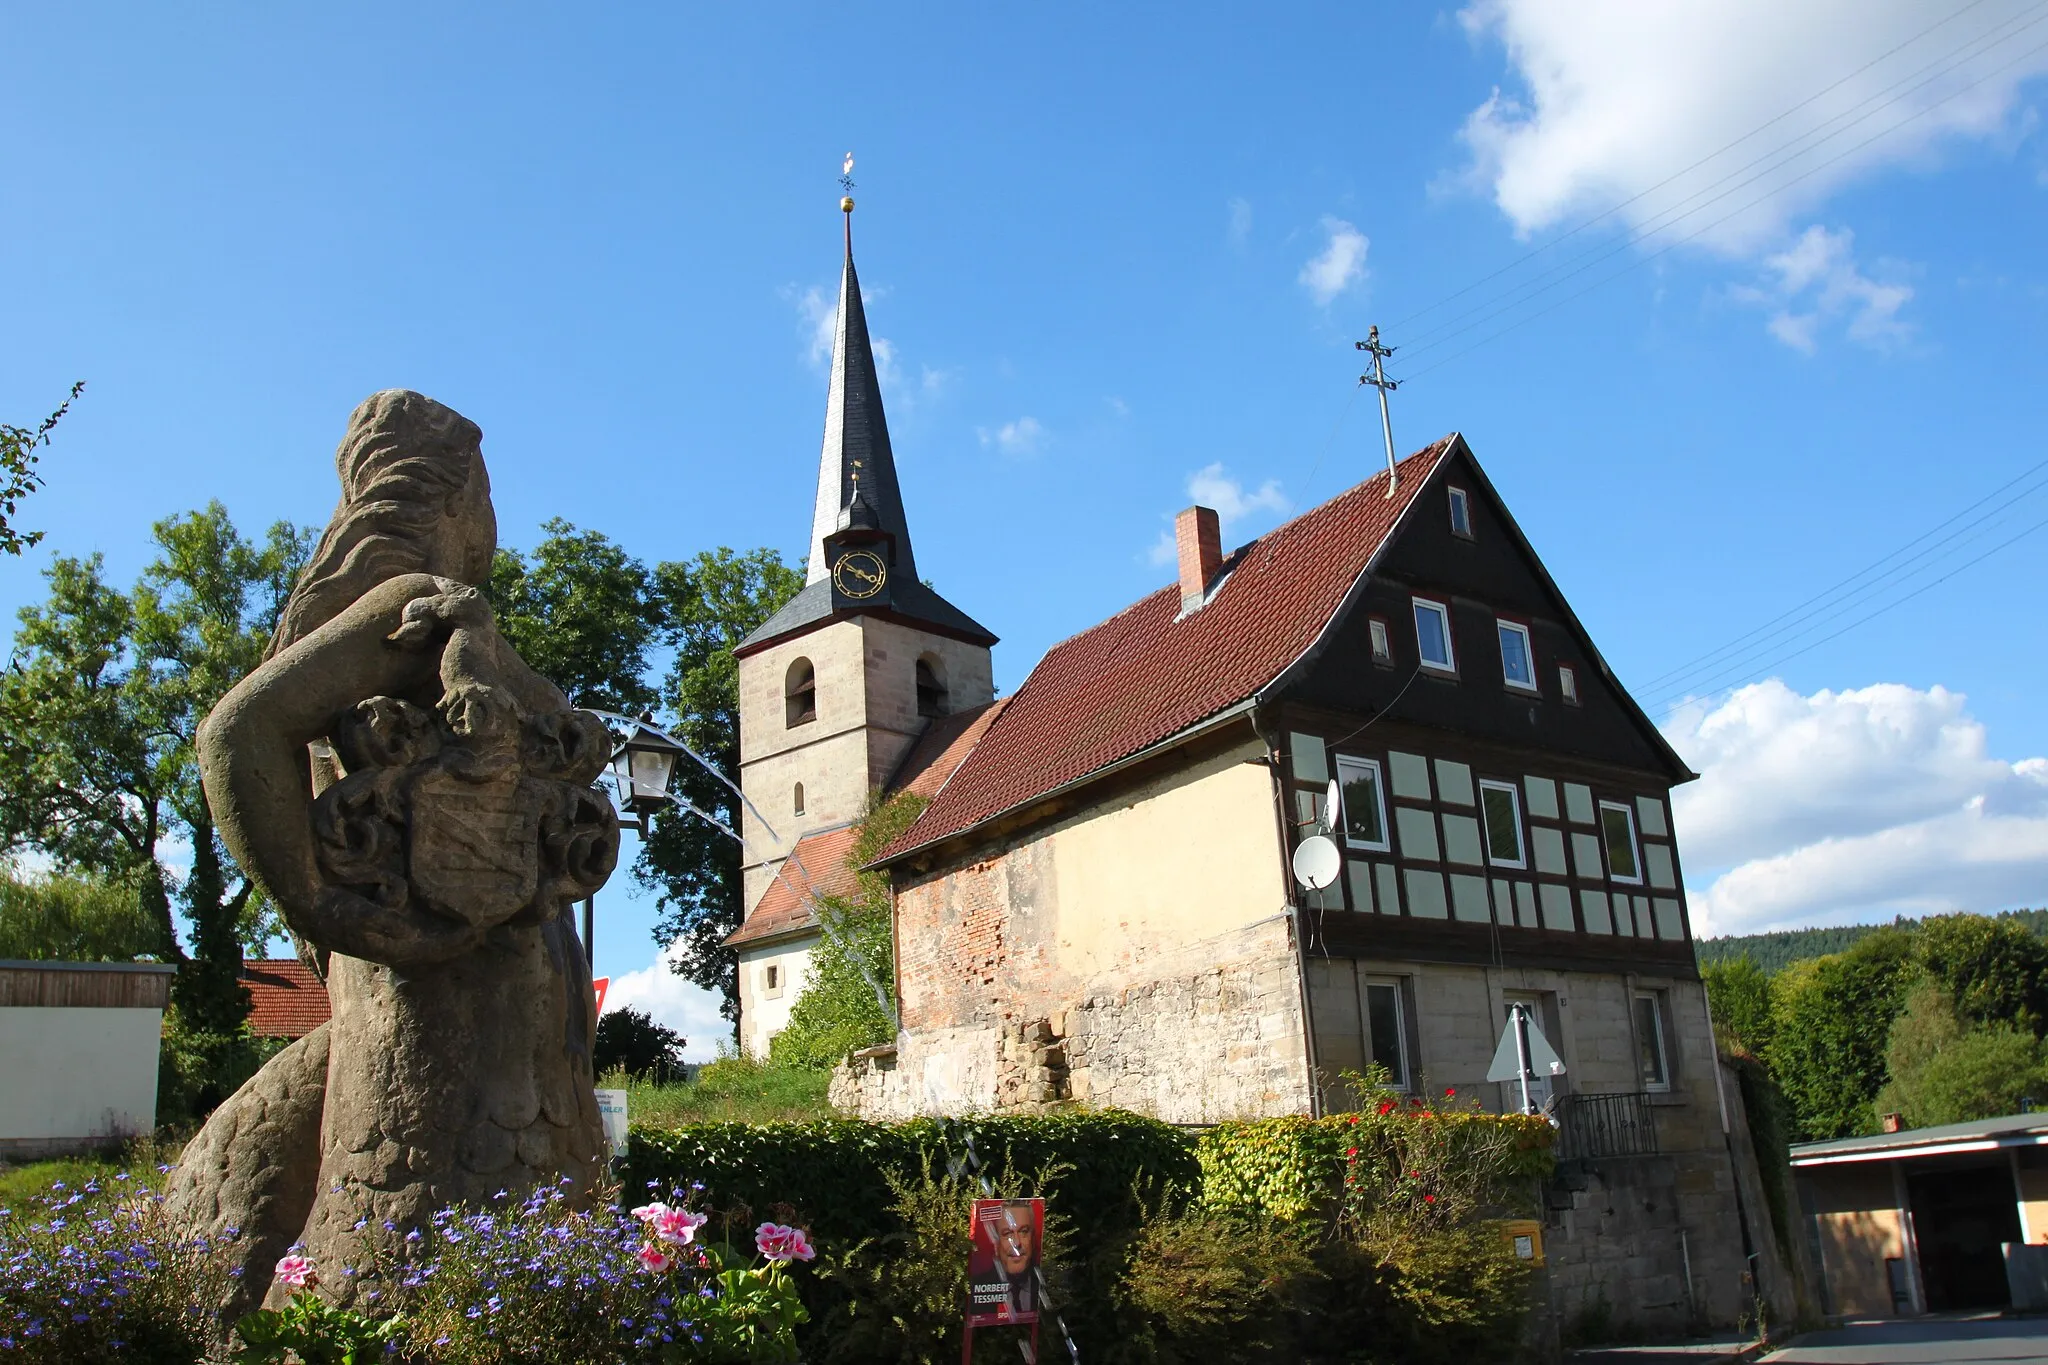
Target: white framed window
{"type": "Point", "coordinates": [1386, 1026]}
{"type": "Point", "coordinates": [1568, 683]}
{"type": "Point", "coordinates": [1433, 635]}
{"type": "Point", "coordinates": [1364, 814]}
{"type": "Point", "coordinates": [1517, 658]}
{"type": "Point", "coordinates": [1382, 645]}
{"type": "Point", "coordinates": [1653, 1057]}
{"type": "Point", "coordinates": [1618, 833]}
{"type": "Point", "coordinates": [1461, 513]}
{"type": "Point", "coordinates": [1501, 804]}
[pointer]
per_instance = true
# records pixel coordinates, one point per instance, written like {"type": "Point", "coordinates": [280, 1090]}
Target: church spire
{"type": "Point", "coordinates": [856, 434]}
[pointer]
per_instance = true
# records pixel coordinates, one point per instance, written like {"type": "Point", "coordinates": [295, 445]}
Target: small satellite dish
{"type": "Point", "coordinates": [1331, 803]}
{"type": "Point", "coordinates": [1317, 861]}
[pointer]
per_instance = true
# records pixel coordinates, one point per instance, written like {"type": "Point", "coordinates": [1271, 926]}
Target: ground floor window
{"type": "Point", "coordinates": [1386, 1022]}
{"type": "Point", "coordinates": [1653, 1060]}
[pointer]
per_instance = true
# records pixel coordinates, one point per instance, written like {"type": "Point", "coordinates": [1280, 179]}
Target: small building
{"type": "Point", "coordinates": [1916, 1221]}
{"type": "Point", "coordinates": [79, 1043]}
{"type": "Point", "coordinates": [287, 999]}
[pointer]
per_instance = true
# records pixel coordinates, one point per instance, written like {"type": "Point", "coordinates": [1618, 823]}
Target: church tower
{"type": "Point", "coordinates": [837, 686]}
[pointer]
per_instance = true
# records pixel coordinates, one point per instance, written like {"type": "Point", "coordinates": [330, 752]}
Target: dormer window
{"type": "Point", "coordinates": [800, 693]}
{"type": "Point", "coordinates": [931, 688]}
{"type": "Point", "coordinates": [1461, 514]}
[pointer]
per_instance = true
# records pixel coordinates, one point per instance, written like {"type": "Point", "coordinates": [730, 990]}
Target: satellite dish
{"type": "Point", "coordinates": [1317, 861]}
{"type": "Point", "coordinates": [1331, 801]}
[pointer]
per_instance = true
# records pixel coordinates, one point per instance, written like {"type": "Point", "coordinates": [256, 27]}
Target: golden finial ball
{"type": "Point", "coordinates": [846, 204]}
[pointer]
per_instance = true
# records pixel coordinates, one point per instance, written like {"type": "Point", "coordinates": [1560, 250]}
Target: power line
{"type": "Point", "coordinates": [1799, 612]}
{"type": "Point", "coordinates": [1672, 246]}
{"type": "Point", "coordinates": [1587, 260]}
{"type": "Point", "coordinates": [1678, 175]}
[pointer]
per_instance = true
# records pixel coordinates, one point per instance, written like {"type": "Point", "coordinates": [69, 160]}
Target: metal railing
{"type": "Point", "coordinates": [1606, 1125]}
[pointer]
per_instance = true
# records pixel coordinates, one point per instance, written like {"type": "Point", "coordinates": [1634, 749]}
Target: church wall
{"type": "Point", "coordinates": [1137, 954]}
{"type": "Point", "coordinates": [764, 1009]}
{"type": "Point", "coordinates": [893, 650]}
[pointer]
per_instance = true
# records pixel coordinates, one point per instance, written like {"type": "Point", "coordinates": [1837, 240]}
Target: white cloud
{"type": "Point", "coordinates": [1616, 97]}
{"type": "Point", "coordinates": [1339, 265]}
{"type": "Point", "coordinates": [1817, 280]}
{"type": "Point", "coordinates": [1210, 487]}
{"type": "Point", "coordinates": [1025, 436]}
{"type": "Point", "coordinates": [1238, 228]}
{"type": "Point", "coordinates": [1852, 805]}
{"type": "Point", "coordinates": [673, 1000]}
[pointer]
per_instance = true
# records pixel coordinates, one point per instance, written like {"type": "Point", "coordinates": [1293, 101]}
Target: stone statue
{"type": "Point", "coordinates": [418, 804]}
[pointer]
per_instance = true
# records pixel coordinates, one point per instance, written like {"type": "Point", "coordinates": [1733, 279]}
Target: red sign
{"type": "Point", "coordinates": [1002, 1266]}
{"type": "Point", "coordinates": [599, 986]}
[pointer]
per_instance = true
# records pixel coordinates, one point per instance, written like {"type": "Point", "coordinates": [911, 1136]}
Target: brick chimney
{"type": "Point", "coordinates": [1199, 538]}
{"type": "Point", "coordinates": [1891, 1123]}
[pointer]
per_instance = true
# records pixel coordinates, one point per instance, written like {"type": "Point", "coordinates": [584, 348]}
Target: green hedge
{"type": "Point", "coordinates": [1291, 1168]}
{"type": "Point", "coordinates": [829, 1174]}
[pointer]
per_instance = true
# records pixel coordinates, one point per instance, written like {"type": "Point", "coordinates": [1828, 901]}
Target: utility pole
{"type": "Point", "coordinates": [1378, 379]}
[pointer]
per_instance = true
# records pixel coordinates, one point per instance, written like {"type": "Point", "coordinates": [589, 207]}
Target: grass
{"type": "Point", "coordinates": [730, 1090]}
{"type": "Point", "coordinates": [21, 1183]}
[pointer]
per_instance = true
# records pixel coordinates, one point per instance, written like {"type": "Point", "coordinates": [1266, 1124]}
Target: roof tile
{"type": "Point", "coordinates": [286, 998]}
{"type": "Point", "coordinates": [1149, 671]}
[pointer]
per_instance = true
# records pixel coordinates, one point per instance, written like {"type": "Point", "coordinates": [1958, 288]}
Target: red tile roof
{"type": "Point", "coordinates": [942, 748]}
{"type": "Point", "coordinates": [1148, 672]}
{"type": "Point", "coordinates": [823, 854]}
{"type": "Point", "coordinates": [817, 867]}
{"type": "Point", "coordinates": [286, 999]}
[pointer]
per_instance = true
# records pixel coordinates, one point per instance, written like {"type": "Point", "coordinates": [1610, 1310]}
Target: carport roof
{"type": "Point", "coordinates": [1983, 1135]}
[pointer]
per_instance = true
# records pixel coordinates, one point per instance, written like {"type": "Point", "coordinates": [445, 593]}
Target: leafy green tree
{"type": "Point", "coordinates": [1944, 1069]}
{"type": "Point", "coordinates": [582, 613]}
{"type": "Point", "coordinates": [710, 603]}
{"type": "Point", "coordinates": [97, 713]}
{"type": "Point", "coordinates": [629, 1040]}
{"type": "Point", "coordinates": [68, 918]}
{"type": "Point", "coordinates": [1739, 994]}
{"type": "Point", "coordinates": [18, 476]}
{"type": "Point", "coordinates": [848, 1000]}
{"type": "Point", "coordinates": [1831, 1019]}
{"type": "Point", "coordinates": [1994, 970]}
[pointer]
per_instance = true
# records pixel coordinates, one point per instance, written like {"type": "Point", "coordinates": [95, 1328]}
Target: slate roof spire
{"type": "Point", "coordinates": [856, 431]}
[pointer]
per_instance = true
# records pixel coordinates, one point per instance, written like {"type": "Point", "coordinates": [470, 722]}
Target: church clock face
{"type": "Point", "coordinates": [859, 573]}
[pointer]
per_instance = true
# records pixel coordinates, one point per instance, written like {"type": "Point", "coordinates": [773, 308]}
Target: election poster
{"type": "Point", "coordinates": [1002, 1265]}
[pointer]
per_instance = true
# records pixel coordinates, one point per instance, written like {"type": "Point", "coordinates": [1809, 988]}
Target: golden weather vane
{"type": "Point", "coordinates": [846, 183]}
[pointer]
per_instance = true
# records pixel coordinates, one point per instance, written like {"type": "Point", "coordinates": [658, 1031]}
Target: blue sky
{"type": "Point", "coordinates": [1119, 260]}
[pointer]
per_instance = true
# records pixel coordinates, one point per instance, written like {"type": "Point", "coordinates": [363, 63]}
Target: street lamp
{"type": "Point", "coordinates": [641, 768]}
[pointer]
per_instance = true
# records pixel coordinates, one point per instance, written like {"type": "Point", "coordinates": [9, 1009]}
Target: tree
{"type": "Point", "coordinates": [849, 999]}
{"type": "Point", "coordinates": [710, 603]}
{"type": "Point", "coordinates": [629, 1040]}
{"type": "Point", "coordinates": [582, 613]}
{"type": "Point", "coordinates": [98, 708]}
{"type": "Point", "coordinates": [1945, 1070]}
{"type": "Point", "coordinates": [1739, 994]}
{"type": "Point", "coordinates": [60, 918]}
{"type": "Point", "coordinates": [18, 476]}
{"type": "Point", "coordinates": [1831, 1019]}
{"type": "Point", "coordinates": [1994, 970]}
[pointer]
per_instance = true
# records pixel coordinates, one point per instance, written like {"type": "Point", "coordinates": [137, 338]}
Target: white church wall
{"type": "Point", "coordinates": [764, 1008]}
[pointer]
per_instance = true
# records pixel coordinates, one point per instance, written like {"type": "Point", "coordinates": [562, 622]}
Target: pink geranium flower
{"type": "Point", "coordinates": [647, 1213]}
{"type": "Point", "coordinates": [677, 1226]}
{"type": "Point", "coordinates": [779, 1243]}
{"type": "Point", "coordinates": [654, 1260]}
{"type": "Point", "coordinates": [295, 1271]}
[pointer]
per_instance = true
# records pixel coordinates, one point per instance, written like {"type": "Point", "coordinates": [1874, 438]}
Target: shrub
{"type": "Point", "coordinates": [1203, 1285]}
{"type": "Point", "coordinates": [98, 1272]}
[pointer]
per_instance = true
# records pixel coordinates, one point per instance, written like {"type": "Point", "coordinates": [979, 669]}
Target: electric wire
{"type": "Point", "coordinates": [1715, 658]}
{"type": "Point", "coordinates": [1588, 260]}
{"type": "Point", "coordinates": [1674, 245]}
{"type": "Point", "coordinates": [1607, 213]}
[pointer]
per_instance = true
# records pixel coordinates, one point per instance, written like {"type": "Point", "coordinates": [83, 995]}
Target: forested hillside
{"type": "Point", "coordinates": [1775, 952]}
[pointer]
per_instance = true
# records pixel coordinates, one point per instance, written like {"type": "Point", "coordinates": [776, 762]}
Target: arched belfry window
{"type": "Point", "coordinates": [800, 692]}
{"type": "Point", "coordinates": [931, 687]}
{"type": "Point", "coordinates": [799, 798]}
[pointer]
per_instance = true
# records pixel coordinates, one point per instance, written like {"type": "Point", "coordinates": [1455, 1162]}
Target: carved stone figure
{"type": "Point", "coordinates": [418, 803]}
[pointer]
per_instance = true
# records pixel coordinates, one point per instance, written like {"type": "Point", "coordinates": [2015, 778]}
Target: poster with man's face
{"type": "Point", "coordinates": [1002, 1267]}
